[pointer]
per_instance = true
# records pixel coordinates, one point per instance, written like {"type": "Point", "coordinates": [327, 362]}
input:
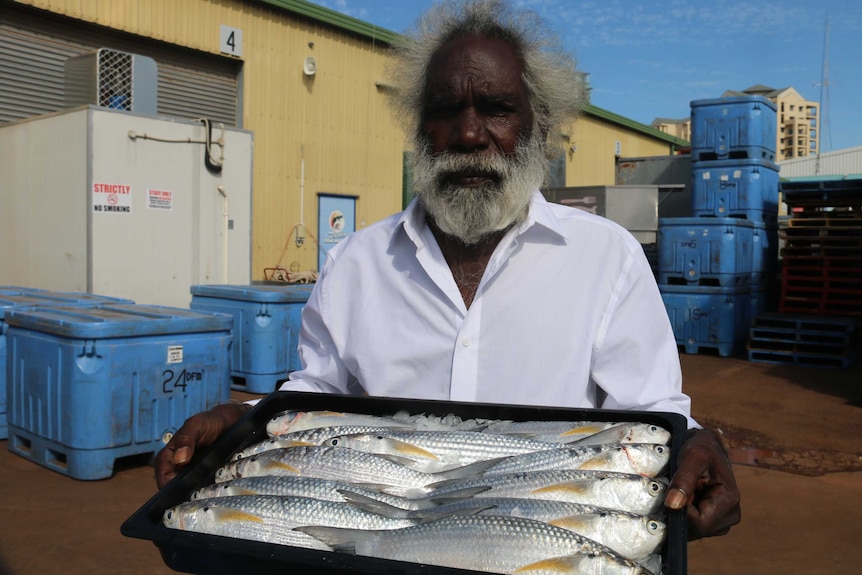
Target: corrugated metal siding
{"type": "Point", "coordinates": [593, 162]}
{"type": "Point", "coordinates": [34, 46]}
{"type": "Point", "coordinates": [837, 163]}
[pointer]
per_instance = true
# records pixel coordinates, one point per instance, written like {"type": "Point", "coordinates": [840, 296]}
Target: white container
{"type": "Point", "coordinates": [111, 202]}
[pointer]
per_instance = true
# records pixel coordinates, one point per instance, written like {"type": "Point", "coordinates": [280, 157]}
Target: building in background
{"type": "Point", "coordinates": [678, 128]}
{"type": "Point", "coordinates": [307, 81]}
{"type": "Point", "coordinates": [798, 130]}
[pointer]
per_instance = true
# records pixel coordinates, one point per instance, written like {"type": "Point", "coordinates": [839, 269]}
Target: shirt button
{"type": "Point", "coordinates": [466, 342]}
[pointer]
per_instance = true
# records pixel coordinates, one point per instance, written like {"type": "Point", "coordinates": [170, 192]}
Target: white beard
{"type": "Point", "coordinates": [471, 214]}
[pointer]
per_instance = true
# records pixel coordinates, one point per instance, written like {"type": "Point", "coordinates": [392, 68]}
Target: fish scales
{"type": "Point", "coordinates": [433, 451]}
{"type": "Point", "coordinates": [620, 491]}
{"type": "Point", "coordinates": [297, 420]}
{"type": "Point", "coordinates": [271, 518]}
{"type": "Point", "coordinates": [631, 535]}
{"type": "Point", "coordinates": [313, 436]}
{"type": "Point", "coordinates": [336, 463]}
{"type": "Point", "coordinates": [507, 543]}
{"type": "Point", "coordinates": [647, 459]}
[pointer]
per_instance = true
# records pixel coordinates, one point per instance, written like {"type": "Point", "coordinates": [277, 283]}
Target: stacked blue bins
{"type": "Point", "coordinates": [267, 320]}
{"type": "Point", "coordinates": [89, 385]}
{"type": "Point", "coordinates": [14, 297]}
{"type": "Point", "coordinates": [717, 269]}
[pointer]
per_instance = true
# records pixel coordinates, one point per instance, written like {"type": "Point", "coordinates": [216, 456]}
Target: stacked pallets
{"type": "Point", "coordinates": [716, 270]}
{"type": "Point", "coordinates": [821, 277]}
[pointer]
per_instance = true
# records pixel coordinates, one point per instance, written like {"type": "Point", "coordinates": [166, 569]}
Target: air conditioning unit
{"type": "Point", "coordinates": [112, 79]}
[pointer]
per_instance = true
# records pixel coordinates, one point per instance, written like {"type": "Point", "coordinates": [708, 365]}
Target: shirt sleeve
{"type": "Point", "coordinates": [635, 358]}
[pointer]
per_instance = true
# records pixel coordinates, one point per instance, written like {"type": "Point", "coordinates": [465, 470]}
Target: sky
{"type": "Point", "coordinates": [650, 59]}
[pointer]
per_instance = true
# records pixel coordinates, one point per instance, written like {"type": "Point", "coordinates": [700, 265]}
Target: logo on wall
{"type": "Point", "coordinates": [336, 221]}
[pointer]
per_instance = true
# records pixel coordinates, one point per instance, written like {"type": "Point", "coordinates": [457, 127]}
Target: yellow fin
{"type": "Point", "coordinates": [272, 464]}
{"type": "Point", "coordinates": [554, 564]}
{"type": "Point", "coordinates": [575, 523]}
{"type": "Point", "coordinates": [236, 515]}
{"type": "Point", "coordinates": [601, 461]}
{"type": "Point", "coordinates": [409, 449]}
{"type": "Point", "coordinates": [567, 487]}
{"type": "Point", "coordinates": [583, 430]}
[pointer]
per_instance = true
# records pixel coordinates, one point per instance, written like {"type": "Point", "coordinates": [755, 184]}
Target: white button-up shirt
{"type": "Point", "coordinates": [567, 314]}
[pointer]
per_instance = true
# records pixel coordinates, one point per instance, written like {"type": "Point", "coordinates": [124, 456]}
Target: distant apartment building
{"type": "Point", "coordinates": [797, 132]}
{"type": "Point", "coordinates": [680, 128]}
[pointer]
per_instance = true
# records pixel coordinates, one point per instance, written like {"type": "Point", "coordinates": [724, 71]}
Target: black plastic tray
{"type": "Point", "coordinates": [215, 555]}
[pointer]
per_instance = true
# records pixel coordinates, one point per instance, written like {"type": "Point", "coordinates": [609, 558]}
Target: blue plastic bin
{"type": "Point", "coordinates": [709, 317]}
{"type": "Point", "coordinates": [736, 128]}
{"type": "Point", "coordinates": [14, 297]}
{"type": "Point", "coordinates": [89, 385]}
{"type": "Point", "coordinates": [738, 188]}
{"type": "Point", "coordinates": [267, 320]}
{"type": "Point", "coordinates": [713, 252]}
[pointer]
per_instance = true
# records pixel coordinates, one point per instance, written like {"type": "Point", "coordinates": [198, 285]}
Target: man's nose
{"type": "Point", "coordinates": [469, 133]}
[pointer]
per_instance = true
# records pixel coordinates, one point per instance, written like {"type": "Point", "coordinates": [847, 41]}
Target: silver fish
{"type": "Point", "coordinates": [627, 433]}
{"type": "Point", "coordinates": [340, 464]}
{"type": "Point", "coordinates": [584, 564]}
{"type": "Point", "coordinates": [313, 436]}
{"type": "Point", "coordinates": [619, 491]}
{"type": "Point", "coordinates": [647, 459]}
{"type": "Point", "coordinates": [271, 518]}
{"type": "Point", "coordinates": [297, 420]}
{"type": "Point", "coordinates": [631, 535]}
{"type": "Point", "coordinates": [551, 431]}
{"type": "Point", "coordinates": [326, 489]}
{"type": "Point", "coordinates": [434, 451]}
{"type": "Point", "coordinates": [507, 543]}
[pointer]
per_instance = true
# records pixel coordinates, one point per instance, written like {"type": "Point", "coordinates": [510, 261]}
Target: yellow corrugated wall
{"type": "Point", "coordinates": [337, 121]}
{"type": "Point", "coordinates": [592, 148]}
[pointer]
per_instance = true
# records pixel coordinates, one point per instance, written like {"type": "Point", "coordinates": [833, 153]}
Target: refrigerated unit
{"type": "Point", "coordinates": [126, 205]}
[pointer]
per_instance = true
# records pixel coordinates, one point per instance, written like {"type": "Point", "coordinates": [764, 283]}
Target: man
{"type": "Point", "coordinates": [481, 290]}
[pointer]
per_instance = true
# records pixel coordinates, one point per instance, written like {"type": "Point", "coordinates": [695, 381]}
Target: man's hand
{"type": "Point", "coordinates": [199, 430]}
{"type": "Point", "coordinates": [705, 483]}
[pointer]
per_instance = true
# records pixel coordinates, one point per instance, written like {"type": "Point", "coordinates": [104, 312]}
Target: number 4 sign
{"type": "Point", "coordinates": [230, 41]}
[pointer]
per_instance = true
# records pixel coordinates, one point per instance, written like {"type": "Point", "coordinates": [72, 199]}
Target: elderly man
{"type": "Point", "coordinates": [481, 290]}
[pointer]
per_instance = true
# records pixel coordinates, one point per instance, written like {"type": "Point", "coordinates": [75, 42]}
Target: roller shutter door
{"type": "Point", "coordinates": [34, 46]}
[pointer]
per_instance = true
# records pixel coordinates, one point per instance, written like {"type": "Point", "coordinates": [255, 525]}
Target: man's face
{"type": "Point", "coordinates": [475, 100]}
{"type": "Point", "coordinates": [477, 157]}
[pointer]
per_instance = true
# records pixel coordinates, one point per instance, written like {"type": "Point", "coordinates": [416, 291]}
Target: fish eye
{"type": "Point", "coordinates": [660, 449]}
{"type": "Point", "coordinates": [652, 525]}
{"type": "Point", "coordinates": [207, 508]}
{"type": "Point", "coordinates": [169, 515]}
{"type": "Point", "coordinates": [654, 487]}
{"type": "Point", "coordinates": [334, 442]}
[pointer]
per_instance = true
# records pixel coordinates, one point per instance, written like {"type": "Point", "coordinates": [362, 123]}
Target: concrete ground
{"type": "Point", "coordinates": [795, 434]}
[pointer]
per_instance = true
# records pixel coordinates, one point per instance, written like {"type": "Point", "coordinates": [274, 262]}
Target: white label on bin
{"type": "Point", "coordinates": [175, 354]}
{"type": "Point", "coordinates": [737, 174]}
{"type": "Point", "coordinates": [724, 177]}
{"type": "Point", "coordinates": [706, 175]}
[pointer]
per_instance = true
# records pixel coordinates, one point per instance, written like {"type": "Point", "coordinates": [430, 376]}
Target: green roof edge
{"type": "Point", "coordinates": [367, 30]}
{"type": "Point", "coordinates": [337, 19]}
{"type": "Point", "coordinates": [592, 110]}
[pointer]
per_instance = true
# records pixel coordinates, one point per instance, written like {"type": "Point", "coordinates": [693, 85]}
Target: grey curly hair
{"type": "Point", "coordinates": [556, 90]}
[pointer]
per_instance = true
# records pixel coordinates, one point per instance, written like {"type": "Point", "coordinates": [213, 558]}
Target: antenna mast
{"type": "Point", "coordinates": [824, 107]}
